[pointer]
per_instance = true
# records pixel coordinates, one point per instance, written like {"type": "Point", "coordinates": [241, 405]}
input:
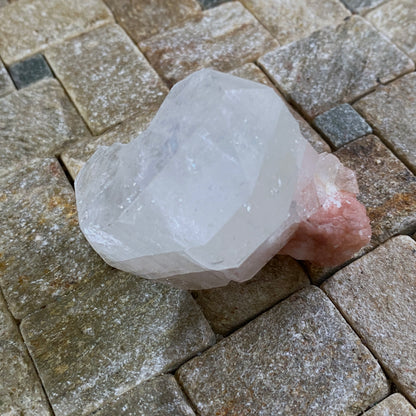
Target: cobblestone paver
{"type": "Point", "coordinates": [394, 405]}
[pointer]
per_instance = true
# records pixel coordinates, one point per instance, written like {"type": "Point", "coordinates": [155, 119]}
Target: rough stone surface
{"type": "Point", "coordinates": [394, 405]}
{"type": "Point", "coordinates": [289, 20]}
{"type": "Point", "coordinates": [391, 110]}
{"type": "Point", "coordinates": [108, 81]}
{"type": "Point", "coordinates": [142, 18]}
{"type": "Point", "coordinates": [334, 65]}
{"type": "Point", "coordinates": [300, 357]}
{"type": "Point", "coordinates": [397, 20]}
{"type": "Point", "coordinates": [30, 71]}
{"type": "Point", "coordinates": [360, 6]}
{"type": "Point", "coordinates": [38, 120]}
{"type": "Point", "coordinates": [223, 38]}
{"type": "Point", "coordinates": [109, 336]}
{"type": "Point", "coordinates": [29, 26]}
{"type": "Point", "coordinates": [227, 308]}
{"type": "Point", "coordinates": [44, 254]}
{"type": "Point", "coordinates": [160, 396]}
{"type": "Point", "coordinates": [6, 84]}
{"type": "Point", "coordinates": [20, 389]}
{"type": "Point", "coordinates": [341, 125]}
{"type": "Point", "coordinates": [376, 294]}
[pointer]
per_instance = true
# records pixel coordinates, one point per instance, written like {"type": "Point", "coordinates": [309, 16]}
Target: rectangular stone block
{"type": "Point", "coordinates": [6, 84]}
{"type": "Point", "coordinates": [376, 294]}
{"type": "Point", "coordinates": [109, 336]}
{"type": "Point", "coordinates": [29, 71]}
{"type": "Point", "coordinates": [334, 65]}
{"type": "Point", "coordinates": [36, 121]}
{"type": "Point", "coordinates": [106, 76]}
{"type": "Point", "coordinates": [289, 20]}
{"type": "Point", "coordinates": [299, 358]}
{"type": "Point", "coordinates": [394, 405]}
{"type": "Point", "coordinates": [391, 110]}
{"type": "Point", "coordinates": [223, 38]}
{"type": "Point", "coordinates": [30, 26]}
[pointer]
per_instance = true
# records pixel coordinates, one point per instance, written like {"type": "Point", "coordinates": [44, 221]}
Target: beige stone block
{"type": "Point", "coordinates": [394, 405]}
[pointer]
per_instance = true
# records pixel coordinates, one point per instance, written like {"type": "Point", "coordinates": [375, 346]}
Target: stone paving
{"type": "Point", "coordinates": [80, 338]}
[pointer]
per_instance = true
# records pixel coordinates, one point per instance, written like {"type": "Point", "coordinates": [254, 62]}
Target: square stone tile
{"type": "Point", "coordinates": [106, 76]}
{"type": "Point", "coordinates": [299, 358]}
{"type": "Point", "coordinates": [36, 121]}
{"type": "Point", "coordinates": [341, 125]}
{"type": "Point", "coordinates": [289, 20]}
{"type": "Point", "coordinates": [30, 70]}
{"type": "Point", "coordinates": [334, 65]}
{"type": "Point", "coordinates": [30, 26]}
{"type": "Point", "coordinates": [223, 38]}
{"type": "Point", "coordinates": [229, 307]}
{"type": "Point", "coordinates": [376, 294]}
{"type": "Point", "coordinates": [160, 396]}
{"type": "Point", "coordinates": [391, 110]}
{"type": "Point", "coordinates": [394, 405]}
{"type": "Point", "coordinates": [43, 252]}
{"type": "Point", "coordinates": [142, 18]}
{"type": "Point", "coordinates": [20, 389]}
{"type": "Point", "coordinates": [6, 84]}
{"type": "Point", "coordinates": [110, 335]}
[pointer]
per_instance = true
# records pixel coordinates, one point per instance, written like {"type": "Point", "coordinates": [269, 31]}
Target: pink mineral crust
{"type": "Point", "coordinates": [333, 233]}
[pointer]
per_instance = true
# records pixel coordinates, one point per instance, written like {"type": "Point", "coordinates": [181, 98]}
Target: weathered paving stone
{"type": "Point", "coordinates": [30, 26]}
{"type": "Point", "coordinates": [38, 120]}
{"type": "Point", "coordinates": [30, 71]}
{"type": "Point", "coordinates": [290, 20]}
{"type": "Point", "coordinates": [227, 308]}
{"type": "Point", "coordinates": [334, 65]}
{"type": "Point", "coordinates": [160, 396]}
{"type": "Point", "coordinates": [376, 294]}
{"type": "Point", "coordinates": [207, 4]}
{"type": "Point", "coordinates": [43, 252]}
{"type": "Point", "coordinates": [300, 357]}
{"type": "Point", "coordinates": [391, 111]}
{"type": "Point", "coordinates": [223, 38]}
{"type": "Point", "coordinates": [394, 405]}
{"type": "Point", "coordinates": [6, 84]}
{"type": "Point", "coordinates": [341, 125]}
{"type": "Point", "coordinates": [362, 6]}
{"type": "Point", "coordinates": [396, 19]}
{"type": "Point", "coordinates": [20, 389]}
{"type": "Point", "coordinates": [142, 19]}
{"type": "Point", "coordinates": [110, 335]}
{"type": "Point", "coordinates": [109, 80]}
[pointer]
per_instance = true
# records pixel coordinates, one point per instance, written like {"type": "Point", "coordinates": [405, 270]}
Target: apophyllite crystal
{"type": "Point", "coordinates": [220, 182]}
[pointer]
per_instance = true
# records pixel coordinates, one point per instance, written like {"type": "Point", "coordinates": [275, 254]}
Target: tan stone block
{"type": "Point", "coordinates": [394, 405]}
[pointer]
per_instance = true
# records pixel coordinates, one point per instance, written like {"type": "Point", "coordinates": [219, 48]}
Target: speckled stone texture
{"type": "Point", "coordinates": [300, 357]}
{"type": "Point", "coordinates": [394, 405]}
{"type": "Point", "coordinates": [341, 124]}
{"type": "Point", "coordinates": [20, 389]}
{"type": "Point", "coordinates": [227, 308]}
{"type": "Point", "coordinates": [160, 396]}
{"type": "Point", "coordinates": [377, 295]}
{"type": "Point", "coordinates": [223, 38]}
{"type": "Point", "coordinates": [360, 6]}
{"type": "Point", "coordinates": [334, 65]}
{"type": "Point", "coordinates": [109, 336]}
{"type": "Point", "coordinates": [289, 20]}
{"type": "Point", "coordinates": [38, 120]}
{"type": "Point", "coordinates": [391, 110]}
{"type": "Point", "coordinates": [142, 18]}
{"type": "Point", "coordinates": [44, 254]}
{"type": "Point", "coordinates": [29, 71]}
{"type": "Point", "coordinates": [29, 26]}
{"type": "Point", "coordinates": [6, 84]}
{"type": "Point", "coordinates": [108, 81]}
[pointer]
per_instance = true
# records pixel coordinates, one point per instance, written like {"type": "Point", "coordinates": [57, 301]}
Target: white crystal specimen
{"type": "Point", "coordinates": [212, 189]}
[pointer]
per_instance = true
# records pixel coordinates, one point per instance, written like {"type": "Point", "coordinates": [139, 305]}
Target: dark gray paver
{"type": "Point", "coordinates": [227, 308]}
{"type": "Point", "coordinates": [108, 81]}
{"type": "Point", "coordinates": [30, 70]}
{"type": "Point", "coordinates": [360, 6]}
{"type": "Point", "coordinates": [299, 358]}
{"type": "Point", "coordinates": [341, 124]}
{"type": "Point", "coordinates": [160, 396]}
{"type": "Point", "coordinates": [6, 84]}
{"type": "Point", "coordinates": [109, 336]}
{"type": "Point", "coordinates": [223, 38]}
{"type": "Point", "coordinates": [207, 4]}
{"type": "Point", "coordinates": [394, 405]}
{"type": "Point", "coordinates": [335, 65]}
{"type": "Point", "coordinates": [391, 110]}
{"type": "Point", "coordinates": [377, 295]}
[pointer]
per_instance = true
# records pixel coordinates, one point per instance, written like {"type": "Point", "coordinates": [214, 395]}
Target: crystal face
{"type": "Point", "coordinates": [220, 181]}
